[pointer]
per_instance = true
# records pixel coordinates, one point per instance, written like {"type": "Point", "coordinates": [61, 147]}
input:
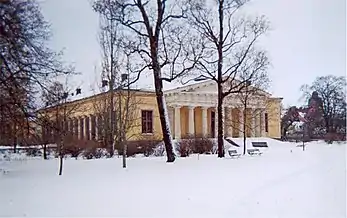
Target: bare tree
{"type": "Point", "coordinates": [254, 91]}
{"type": "Point", "coordinates": [156, 39]}
{"type": "Point", "coordinates": [54, 117]}
{"type": "Point", "coordinates": [118, 74]}
{"type": "Point", "coordinates": [332, 92]}
{"type": "Point", "coordinates": [109, 40]}
{"type": "Point", "coordinates": [125, 115]}
{"type": "Point", "coordinates": [26, 63]}
{"type": "Point", "coordinates": [229, 48]}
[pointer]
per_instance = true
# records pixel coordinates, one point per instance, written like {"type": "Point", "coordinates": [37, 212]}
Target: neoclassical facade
{"type": "Point", "coordinates": [192, 112]}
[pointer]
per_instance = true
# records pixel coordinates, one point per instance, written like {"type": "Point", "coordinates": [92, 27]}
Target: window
{"type": "Point", "coordinates": [147, 121]}
{"type": "Point", "coordinates": [266, 123]}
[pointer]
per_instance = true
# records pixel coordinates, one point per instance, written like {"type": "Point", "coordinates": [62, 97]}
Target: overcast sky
{"type": "Point", "coordinates": [308, 39]}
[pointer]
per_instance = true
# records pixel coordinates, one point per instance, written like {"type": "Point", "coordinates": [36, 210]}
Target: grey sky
{"type": "Point", "coordinates": [308, 40]}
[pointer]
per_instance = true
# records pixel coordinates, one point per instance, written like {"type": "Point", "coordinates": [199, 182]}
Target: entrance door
{"type": "Point", "coordinates": [213, 126]}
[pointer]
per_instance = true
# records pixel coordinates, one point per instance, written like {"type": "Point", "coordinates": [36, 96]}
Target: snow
{"type": "Point", "coordinates": [284, 182]}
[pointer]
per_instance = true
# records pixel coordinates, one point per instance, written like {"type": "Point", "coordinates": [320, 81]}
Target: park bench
{"type": "Point", "coordinates": [4, 171]}
{"type": "Point", "coordinates": [259, 144]}
{"type": "Point", "coordinates": [254, 151]}
{"type": "Point", "coordinates": [233, 153]}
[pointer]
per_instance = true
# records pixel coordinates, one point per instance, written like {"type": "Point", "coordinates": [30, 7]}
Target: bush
{"type": "Point", "coordinates": [184, 147]}
{"type": "Point", "coordinates": [92, 152]}
{"type": "Point", "coordinates": [197, 144]}
{"type": "Point", "coordinates": [33, 152]}
{"type": "Point", "coordinates": [145, 147]}
{"type": "Point", "coordinates": [159, 150]}
{"type": "Point", "coordinates": [87, 148]}
{"type": "Point", "coordinates": [203, 146]}
{"type": "Point", "coordinates": [73, 150]}
{"type": "Point", "coordinates": [332, 137]}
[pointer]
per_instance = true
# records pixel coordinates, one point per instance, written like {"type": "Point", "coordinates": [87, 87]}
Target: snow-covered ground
{"type": "Point", "coordinates": [284, 182]}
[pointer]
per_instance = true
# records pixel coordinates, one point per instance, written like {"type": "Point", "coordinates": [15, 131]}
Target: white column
{"type": "Point", "coordinates": [253, 124]}
{"type": "Point", "coordinates": [223, 119]}
{"type": "Point", "coordinates": [216, 122]}
{"type": "Point", "coordinates": [68, 125]}
{"type": "Point", "coordinates": [171, 117]}
{"type": "Point", "coordinates": [85, 127]}
{"type": "Point", "coordinates": [257, 122]}
{"type": "Point", "coordinates": [79, 127]}
{"type": "Point", "coordinates": [191, 122]}
{"type": "Point", "coordinates": [204, 121]}
{"type": "Point", "coordinates": [96, 127]}
{"type": "Point", "coordinates": [177, 122]}
{"type": "Point", "coordinates": [71, 126]}
{"type": "Point", "coordinates": [241, 122]}
{"type": "Point", "coordinates": [229, 124]}
{"type": "Point", "coordinates": [262, 123]}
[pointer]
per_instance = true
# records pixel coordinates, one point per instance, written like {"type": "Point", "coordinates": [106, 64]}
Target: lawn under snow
{"type": "Point", "coordinates": [283, 182]}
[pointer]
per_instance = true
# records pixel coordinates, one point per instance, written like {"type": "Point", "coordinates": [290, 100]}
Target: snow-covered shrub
{"type": "Point", "coordinates": [131, 150]}
{"type": "Point", "coordinates": [185, 147]}
{"type": "Point", "coordinates": [145, 147]}
{"type": "Point", "coordinates": [33, 152]}
{"type": "Point", "coordinates": [97, 153]}
{"type": "Point", "coordinates": [197, 144]}
{"type": "Point", "coordinates": [159, 150]}
{"type": "Point", "coordinates": [202, 145]}
{"type": "Point", "coordinates": [10, 156]}
{"type": "Point", "coordinates": [74, 147]}
{"type": "Point", "coordinates": [333, 137]}
{"type": "Point", "coordinates": [72, 150]}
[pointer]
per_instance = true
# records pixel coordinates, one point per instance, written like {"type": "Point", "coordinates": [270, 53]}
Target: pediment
{"type": "Point", "coordinates": [202, 87]}
{"type": "Point", "coordinates": [210, 87]}
{"type": "Point", "coordinates": [206, 87]}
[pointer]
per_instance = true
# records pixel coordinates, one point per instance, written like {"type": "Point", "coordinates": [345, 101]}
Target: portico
{"type": "Point", "coordinates": [193, 111]}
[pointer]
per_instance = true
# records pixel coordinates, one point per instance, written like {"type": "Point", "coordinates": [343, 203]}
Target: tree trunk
{"type": "Point", "coordinates": [158, 83]}
{"type": "Point", "coordinates": [61, 165]}
{"type": "Point", "coordinates": [45, 152]}
{"type": "Point", "coordinates": [61, 155]}
{"type": "Point", "coordinates": [15, 145]}
{"type": "Point", "coordinates": [284, 133]}
{"type": "Point", "coordinates": [220, 139]}
{"type": "Point", "coordinates": [219, 81]}
{"type": "Point", "coordinates": [124, 154]}
{"type": "Point", "coordinates": [165, 126]}
{"type": "Point", "coordinates": [244, 130]}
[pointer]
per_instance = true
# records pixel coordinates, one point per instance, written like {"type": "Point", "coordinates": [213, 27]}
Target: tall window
{"type": "Point", "coordinates": [147, 121]}
{"type": "Point", "coordinates": [266, 123]}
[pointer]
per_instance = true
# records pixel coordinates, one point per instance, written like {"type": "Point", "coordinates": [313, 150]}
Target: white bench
{"type": "Point", "coordinates": [254, 151]}
{"type": "Point", "coordinates": [4, 171]}
{"type": "Point", "coordinates": [259, 144]}
{"type": "Point", "coordinates": [233, 153]}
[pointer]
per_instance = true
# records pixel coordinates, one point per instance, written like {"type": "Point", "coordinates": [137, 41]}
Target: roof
{"type": "Point", "coordinates": [82, 98]}
{"type": "Point", "coordinates": [207, 83]}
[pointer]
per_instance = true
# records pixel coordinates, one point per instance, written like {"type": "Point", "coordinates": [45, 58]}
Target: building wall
{"type": "Point", "coordinates": [273, 110]}
{"type": "Point", "coordinates": [198, 121]}
{"type": "Point", "coordinates": [209, 130]}
{"type": "Point", "coordinates": [147, 101]}
{"type": "Point", "coordinates": [184, 121]}
{"type": "Point", "coordinates": [235, 122]}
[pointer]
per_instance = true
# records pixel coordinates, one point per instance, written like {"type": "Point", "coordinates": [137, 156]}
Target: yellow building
{"type": "Point", "coordinates": [192, 112]}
